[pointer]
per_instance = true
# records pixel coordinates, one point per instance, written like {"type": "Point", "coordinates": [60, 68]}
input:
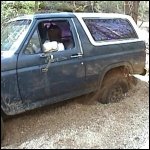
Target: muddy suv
{"type": "Point", "coordinates": [47, 58]}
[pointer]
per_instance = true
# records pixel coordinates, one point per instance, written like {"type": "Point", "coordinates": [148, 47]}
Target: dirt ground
{"type": "Point", "coordinates": [77, 124]}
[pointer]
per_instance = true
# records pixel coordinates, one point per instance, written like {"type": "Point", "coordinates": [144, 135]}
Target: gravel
{"type": "Point", "coordinates": [78, 124]}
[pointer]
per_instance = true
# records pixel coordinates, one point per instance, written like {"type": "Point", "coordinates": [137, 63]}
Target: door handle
{"type": "Point", "coordinates": [76, 55]}
{"type": "Point", "coordinates": [44, 69]}
{"type": "Point", "coordinates": [43, 55]}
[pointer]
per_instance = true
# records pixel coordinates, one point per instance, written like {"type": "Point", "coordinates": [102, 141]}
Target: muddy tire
{"type": "Point", "coordinates": [114, 87]}
{"type": "Point", "coordinates": [2, 129]}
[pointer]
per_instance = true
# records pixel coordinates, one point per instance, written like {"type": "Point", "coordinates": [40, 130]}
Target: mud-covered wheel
{"type": "Point", "coordinates": [2, 129]}
{"type": "Point", "coordinates": [114, 87]}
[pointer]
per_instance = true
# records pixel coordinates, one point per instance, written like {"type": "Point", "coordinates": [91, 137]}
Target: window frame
{"type": "Point", "coordinates": [105, 40]}
{"type": "Point", "coordinates": [71, 30]}
{"type": "Point", "coordinates": [99, 43]}
{"type": "Point", "coordinates": [77, 43]}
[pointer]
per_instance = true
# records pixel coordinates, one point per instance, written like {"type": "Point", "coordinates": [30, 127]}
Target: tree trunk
{"type": "Point", "coordinates": [126, 8]}
{"type": "Point", "coordinates": [135, 10]}
{"type": "Point", "coordinates": [131, 8]}
{"type": "Point", "coordinates": [36, 6]}
{"type": "Point", "coordinates": [74, 3]}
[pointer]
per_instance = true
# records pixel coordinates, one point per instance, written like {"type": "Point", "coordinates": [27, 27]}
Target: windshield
{"type": "Point", "coordinates": [13, 33]}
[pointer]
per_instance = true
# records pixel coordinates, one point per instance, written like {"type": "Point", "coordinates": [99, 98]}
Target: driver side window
{"type": "Point", "coordinates": [58, 31]}
{"type": "Point", "coordinates": [33, 46]}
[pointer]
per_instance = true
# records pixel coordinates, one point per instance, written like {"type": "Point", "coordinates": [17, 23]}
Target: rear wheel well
{"type": "Point", "coordinates": [125, 70]}
{"type": "Point", "coordinates": [115, 79]}
{"type": "Point", "coordinates": [114, 86]}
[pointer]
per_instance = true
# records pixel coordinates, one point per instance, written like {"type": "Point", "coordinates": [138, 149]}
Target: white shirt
{"type": "Point", "coordinates": [53, 46]}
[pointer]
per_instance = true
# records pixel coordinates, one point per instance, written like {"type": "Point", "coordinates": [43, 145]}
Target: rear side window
{"type": "Point", "coordinates": [110, 29]}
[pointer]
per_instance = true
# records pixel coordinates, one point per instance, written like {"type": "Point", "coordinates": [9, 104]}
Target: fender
{"type": "Point", "coordinates": [114, 66]}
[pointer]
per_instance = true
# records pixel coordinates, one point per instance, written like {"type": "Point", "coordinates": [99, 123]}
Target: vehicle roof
{"type": "Point", "coordinates": [71, 14]}
{"type": "Point", "coordinates": [107, 15]}
{"type": "Point", "coordinates": [45, 15]}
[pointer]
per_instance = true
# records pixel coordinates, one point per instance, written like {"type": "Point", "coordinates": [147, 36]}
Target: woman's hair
{"type": "Point", "coordinates": [54, 33]}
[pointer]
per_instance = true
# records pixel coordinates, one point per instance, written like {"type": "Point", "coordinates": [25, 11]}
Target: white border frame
{"type": "Point", "coordinates": [80, 17]}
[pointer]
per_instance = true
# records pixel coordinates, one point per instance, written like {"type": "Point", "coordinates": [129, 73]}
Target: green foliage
{"type": "Point", "coordinates": [58, 7]}
{"type": "Point", "coordinates": [14, 9]}
{"type": "Point", "coordinates": [110, 6]}
{"type": "Point", "coordinates": [144, 10]}
{"type": "Point", "coordinates": [63, 7]}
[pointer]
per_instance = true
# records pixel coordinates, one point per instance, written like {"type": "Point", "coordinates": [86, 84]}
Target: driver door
{"type": "Point", "coordinates": [65, 75]}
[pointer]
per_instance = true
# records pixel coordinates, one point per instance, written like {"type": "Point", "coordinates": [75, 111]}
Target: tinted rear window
{"type": "Point", "coordinates": [110, 29]}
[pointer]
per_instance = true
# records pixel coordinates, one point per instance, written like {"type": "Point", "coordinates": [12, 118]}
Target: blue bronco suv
{"type": "Point", "coordinates": [47, 58]}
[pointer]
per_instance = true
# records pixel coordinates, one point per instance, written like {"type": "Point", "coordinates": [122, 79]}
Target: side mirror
{"type": "Point", "coordinates": [50, 46]}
